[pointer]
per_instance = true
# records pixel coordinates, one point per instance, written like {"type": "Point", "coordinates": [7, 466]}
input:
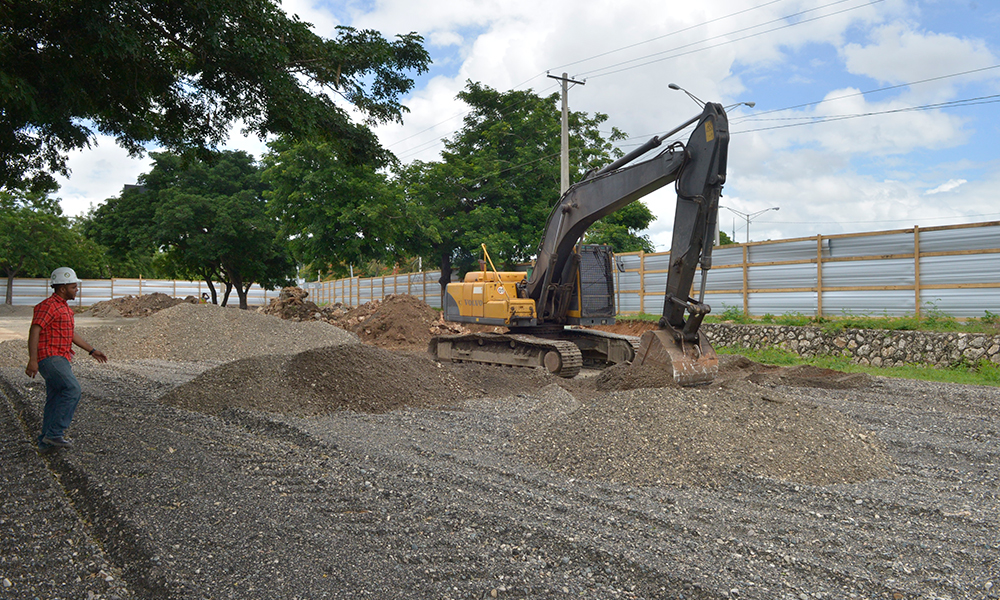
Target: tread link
{"type": "Point", "coordinates": [559, 357]}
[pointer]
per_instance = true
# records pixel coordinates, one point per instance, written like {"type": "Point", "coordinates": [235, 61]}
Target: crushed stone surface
{"type": "Point", "coordinates": [225, 460]}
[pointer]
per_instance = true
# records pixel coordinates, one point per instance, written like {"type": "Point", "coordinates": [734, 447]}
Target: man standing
{"type": "Point", "coordinates": [50, 348]}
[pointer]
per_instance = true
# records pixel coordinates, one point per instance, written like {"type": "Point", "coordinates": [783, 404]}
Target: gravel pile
{"type": "Point", "coordinates": [196, 332]}
{"type": "Point", "coordinates": [355, 377]}
{"type": "Point", "coordinates": [705, 436]}
{"type": "Point", "coordinates": [137, 306]}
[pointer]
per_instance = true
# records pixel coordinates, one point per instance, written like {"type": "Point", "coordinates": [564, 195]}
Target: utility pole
{"type": "Point", "coordinates": [564, 155]}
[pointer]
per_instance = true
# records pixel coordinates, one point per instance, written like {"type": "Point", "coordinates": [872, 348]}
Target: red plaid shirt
{"type": "Point", "coordinates": [55, 317]}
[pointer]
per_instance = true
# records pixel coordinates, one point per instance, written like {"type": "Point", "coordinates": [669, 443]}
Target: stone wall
{"type": "Point", "coordinates": [875, 347]}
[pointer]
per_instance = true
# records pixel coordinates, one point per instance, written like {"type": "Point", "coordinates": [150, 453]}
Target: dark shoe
{"type": "Point", "coordinates": [58, 442]}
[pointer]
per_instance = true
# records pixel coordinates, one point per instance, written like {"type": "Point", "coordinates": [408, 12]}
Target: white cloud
{"type": "Point", "coordinates": [898, 53]}
{"type": "Point", "coordinates": [947, 186]}
{"type": "Point", "coordinates": [97, 174]}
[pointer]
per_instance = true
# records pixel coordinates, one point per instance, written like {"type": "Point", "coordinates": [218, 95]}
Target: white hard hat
{"type": "Point", "coordinates": [63, 276]}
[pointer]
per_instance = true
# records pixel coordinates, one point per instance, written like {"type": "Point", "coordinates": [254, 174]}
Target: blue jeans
{"type": "Point", "coordinates": [62, 393]}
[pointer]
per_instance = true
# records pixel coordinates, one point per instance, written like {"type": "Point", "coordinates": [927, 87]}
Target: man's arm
{"type": "Point", "coordinates": [82, 343]}
{"type": "Point", "coordinates": [32, 369]}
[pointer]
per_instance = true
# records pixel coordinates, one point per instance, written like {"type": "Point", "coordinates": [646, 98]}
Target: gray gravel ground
{"type": "Point", "coordinates": [158, 502]}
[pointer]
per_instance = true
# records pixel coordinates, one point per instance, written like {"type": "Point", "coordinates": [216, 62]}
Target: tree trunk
{"type": "Point", "coordinates": [211, 288]}
{"type": "Point", "coordinates": [445, 273]}
{"type": "Point", "coordinates": [225, 296]}
{"type": "Point", "coordinates": [10, 290]}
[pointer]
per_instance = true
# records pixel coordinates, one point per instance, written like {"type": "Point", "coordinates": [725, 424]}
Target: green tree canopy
{"type": "Point", "coordinates": [209, 217]}
{"type": "Point", "coordinates": [35, 237]}
{"type": "Point", "coordinates": [620, 229]}
{"type": "Point", "coordinates": [337, 212]}
{"type": "Point", "coordinates": [181, 73]}
{"type": "Point", "coordinates": [499, 176]}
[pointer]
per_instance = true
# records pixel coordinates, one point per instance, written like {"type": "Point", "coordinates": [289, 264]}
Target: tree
{"type": "Point", "coordinates": [208, 217]}
{"type": "Point", "coordinates": [499, 175]}
{"type": "Point", "coordinates": [181, 73]}
{"type": "Point", "coordinates": [724, 239]}
{"type": "Point", "coordinates": [35, 237]}
{"type": "Point", "coordinates": [620, 229]}
{"type": "Point", "coordinates": [338, 212]}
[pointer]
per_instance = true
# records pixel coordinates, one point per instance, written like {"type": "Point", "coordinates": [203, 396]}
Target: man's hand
{"type": "Point", "coordinates": [32, 369]}
{"type": "Point", "coordinates": [99, 356]}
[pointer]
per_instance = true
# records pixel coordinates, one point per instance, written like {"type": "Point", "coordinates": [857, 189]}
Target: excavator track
{"type": "Point", "coordinates": [601, 349]}
{"type": "Point", "coordinates": [559, 357]}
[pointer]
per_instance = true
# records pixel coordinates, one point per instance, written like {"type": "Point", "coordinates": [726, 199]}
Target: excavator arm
{"type": "Point", "coordinates": [699, 168]}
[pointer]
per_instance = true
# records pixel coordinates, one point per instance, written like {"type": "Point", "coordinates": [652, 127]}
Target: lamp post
{"type": "Point", "coordinates": [750, 216]}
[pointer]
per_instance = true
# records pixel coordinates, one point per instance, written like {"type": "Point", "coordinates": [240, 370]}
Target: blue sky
{"type": "Point", "coordinates": [832, 158]}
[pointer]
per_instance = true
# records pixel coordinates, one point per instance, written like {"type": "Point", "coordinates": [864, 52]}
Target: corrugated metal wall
{"type": "Point", "coordinates": [953, 270]}
{"type": "Point", "coordinates": [29, 292]}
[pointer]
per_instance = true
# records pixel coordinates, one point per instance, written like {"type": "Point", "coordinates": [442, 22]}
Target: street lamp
{"type": "Point", "coordinates": [750, 216]}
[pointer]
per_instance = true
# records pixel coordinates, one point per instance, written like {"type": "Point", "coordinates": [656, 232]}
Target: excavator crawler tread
{"type": "Point", "coordinates": [559, 357]}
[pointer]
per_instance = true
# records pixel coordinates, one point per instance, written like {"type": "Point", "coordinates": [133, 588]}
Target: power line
{"type": "Point", "coordinates": [413, 151]}
{"type": "Point", "coordinates": [746, 37]}
{"type": "Point", "coordinates": [666, 35]}
{"type": "Point", "coordinates": [818, 120]}
{"type": "Point", "coordinates": [882, 89]}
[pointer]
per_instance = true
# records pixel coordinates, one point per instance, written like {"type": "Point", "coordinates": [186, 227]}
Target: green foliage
{"type": "Point", "coordinates": [724, 239]}
{"type": "Point", "coordinates": [182, 72]}
{"type": "Point", "coordinates": [199, 217]}
{"type": "Point", "coordinates": [35, 237]}
{"type": "Point", "coordinates": [983, 372]}
{"type": "Point", "coordinates": [620, 229]}
{"type": "Point", "coordinates": [338, 212]}
{"type": "Point", "coordinates": [499, 175]}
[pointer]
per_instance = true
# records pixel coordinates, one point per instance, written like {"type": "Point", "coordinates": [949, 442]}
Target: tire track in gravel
{"type": "Point", "coordinates": [424, 549]}
{"type": "Point", "coordinates": [506, 491]}
{"type": "Point", "coordinates": [882, 533]}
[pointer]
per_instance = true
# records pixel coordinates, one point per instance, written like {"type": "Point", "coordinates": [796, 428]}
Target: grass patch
{"type": "Point", "coordinates": [932, 320]}
{"type": "Point", "coordinates": [982, 372]}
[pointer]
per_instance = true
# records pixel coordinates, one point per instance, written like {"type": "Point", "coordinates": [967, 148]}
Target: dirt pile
{"type": "Point", "coordinates": [137, 306]}
{"type": "Point", "coordinates": [291, 304]}
{"type": "Point", "coordinates": [359, 378]}
{"type": "Point", "coordinates": [628, 376]}
{"type": "Point", "coordinates": [196, 332]}
{"type": "Point", "coordinates": [399, 321]}
{"type": "Point", "coordinates": [704, 436]}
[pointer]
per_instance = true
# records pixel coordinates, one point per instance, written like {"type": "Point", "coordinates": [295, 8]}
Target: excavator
{"type": "Point", "coordinates": [572, 285]}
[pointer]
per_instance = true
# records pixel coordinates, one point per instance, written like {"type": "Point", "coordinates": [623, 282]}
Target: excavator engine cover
{"type": "Point", "coordinates": [690, 363]}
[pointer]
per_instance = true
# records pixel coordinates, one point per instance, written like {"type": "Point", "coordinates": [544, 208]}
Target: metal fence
{"type": "Point", "coordinates": [28, 292]}
{"type": "Point", "coordinates": [954, 270]}
{"type": "Point", "coordinates": [355, 291]}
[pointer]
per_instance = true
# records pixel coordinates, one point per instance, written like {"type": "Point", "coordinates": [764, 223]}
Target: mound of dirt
{"type": "Point", "coordinates": [291, 304]}
{"type": "Point", "coordinates": [9, 310]}
{"type": "Point", "coordinates": [358, 378]}
{"type": "Point", "coordinates": [137, 306]}
{"type": "Point", "coordinates": [399, 321]}
{"type": "Point", "coordinates": [704, 436]}
{"type": "Point", "coordinates": [195, 332]}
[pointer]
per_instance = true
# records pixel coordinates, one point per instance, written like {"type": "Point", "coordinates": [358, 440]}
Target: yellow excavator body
{"type": "Point", "coordinates": [490, 298]}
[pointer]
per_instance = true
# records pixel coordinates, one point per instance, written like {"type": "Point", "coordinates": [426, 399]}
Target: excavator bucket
{"type": "Point", "coordinates": [690, 363]}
